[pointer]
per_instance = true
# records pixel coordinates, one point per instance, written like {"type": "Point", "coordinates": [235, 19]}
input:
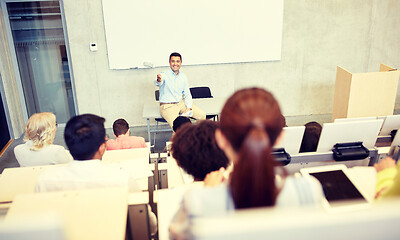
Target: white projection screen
{"type": "Point", "coordinates": [203, 31]}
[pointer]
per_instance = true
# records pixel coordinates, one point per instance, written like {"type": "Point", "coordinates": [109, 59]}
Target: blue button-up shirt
{"type": "Point", "coordinates": [174, 87]}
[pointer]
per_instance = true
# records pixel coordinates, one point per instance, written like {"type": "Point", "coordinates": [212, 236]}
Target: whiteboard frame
{"type": "Point", "coordinates": [243, 32]}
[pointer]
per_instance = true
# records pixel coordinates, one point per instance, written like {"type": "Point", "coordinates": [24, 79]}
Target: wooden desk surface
{"type": "Point", "coordinates": [210, 106]}
{"type": "Point", "coordinates": [14, 181]}
{"type": "Point", "coordinates": [168, 202]}
{"type": "Point", "coordinates": [90, 214]}
{"type": "Point", "coordinates": [138, 198]}
{"type": "Point", "coordinates": [175, 175]}
{"type": "Point", "coordinates": [366, 179]}
{"type": "Point", "coordinates": [116, 156]}
{"type": "Point", "coordinates": [134, 161]}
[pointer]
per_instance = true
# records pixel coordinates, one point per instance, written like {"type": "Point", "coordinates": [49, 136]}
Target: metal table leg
{"type": "Point", "coordinates": [148, 129]}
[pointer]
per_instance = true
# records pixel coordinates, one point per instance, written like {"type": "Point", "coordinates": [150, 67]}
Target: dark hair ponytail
{"type": "Point", "coordinates": [252, 183]}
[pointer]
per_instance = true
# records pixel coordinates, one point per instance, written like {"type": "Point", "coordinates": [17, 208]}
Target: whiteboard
{"type": "Point", "coordinates": [203, 31]}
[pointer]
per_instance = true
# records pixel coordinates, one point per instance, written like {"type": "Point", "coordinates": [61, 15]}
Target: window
{"type": "Point", "coordinates": [42, 58]}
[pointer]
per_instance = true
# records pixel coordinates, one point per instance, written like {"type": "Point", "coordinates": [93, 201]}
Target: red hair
{"type": "Point", "coordinates": [251, 120]}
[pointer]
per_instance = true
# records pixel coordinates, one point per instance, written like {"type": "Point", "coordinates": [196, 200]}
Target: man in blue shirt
{"type": "Point", "coordinates": [175, 97]}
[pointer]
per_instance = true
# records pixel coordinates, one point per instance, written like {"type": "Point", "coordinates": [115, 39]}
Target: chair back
{"type": "Point", "coordinates": [157, 94]}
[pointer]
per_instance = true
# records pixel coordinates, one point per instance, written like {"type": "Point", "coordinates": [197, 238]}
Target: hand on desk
{"type": "Point", "coordinates": [214, 178]}
{"type": "Point", "coordinates": [388, 162]}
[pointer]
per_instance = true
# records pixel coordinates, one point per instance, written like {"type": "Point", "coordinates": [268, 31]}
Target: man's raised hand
{"type": "Point", "coordinates": [159, 77]}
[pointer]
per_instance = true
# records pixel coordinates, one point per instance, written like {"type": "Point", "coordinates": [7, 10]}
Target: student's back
{"type": "Point", "coordinates": [48, 155]}
{"type": "Point", "coordinates": [39, 148]}
{"type": "Point", "coordinates": [123, 140]}
{"type": "Point", "coordinates": [85, 138]}
{"type": "Point", "coordinates": [251, 122]}
{"type": "Point", "coordinates": [126, 142]}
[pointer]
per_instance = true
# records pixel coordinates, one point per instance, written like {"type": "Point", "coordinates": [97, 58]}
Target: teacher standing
{"type": "Point", "coordinates": [175, 97]}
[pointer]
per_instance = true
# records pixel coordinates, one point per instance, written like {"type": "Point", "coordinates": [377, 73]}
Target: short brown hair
{"type": "Point", "coordinates": [120, 127]}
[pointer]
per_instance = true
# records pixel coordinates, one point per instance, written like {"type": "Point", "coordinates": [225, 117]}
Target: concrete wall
{"type": "Point", "coordinates": [317, 36]}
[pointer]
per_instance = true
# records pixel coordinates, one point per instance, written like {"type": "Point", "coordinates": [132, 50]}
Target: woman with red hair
{"type": "Point", "coordinates": [250, 124]}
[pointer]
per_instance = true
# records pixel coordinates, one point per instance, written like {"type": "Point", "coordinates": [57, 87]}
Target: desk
{"type": "Point", "coordinates": [14, 181]}
{"type": "Point", "coordinates": [211, 106]}
{"type": "Point", "coordinates": [117, 156]}
{"type": "Point", "coordinates": [89, 214]}
{"type": "Point", "coordinates": [312, 159]}
{"type": "Point", "coordinates": [168, 203]}
{"type": "Point", "coordinates": [378, 222]}
{"type": "Point", "coordinates": [168, 200]}
{"type": "Point", "coordinates": [19, 180]}
{"type": "Point", "coordinates": [135, 161]}
{"type": "Point", "coordinates": [139, 217]}
{"type": "Point", "coordinates": [137, 198]}
{"type": "Point", "coordinates": [175, 176]}
{"type": "Point", "coordinates": [366, 179]}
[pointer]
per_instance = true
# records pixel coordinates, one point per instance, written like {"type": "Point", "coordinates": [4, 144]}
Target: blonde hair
{"type": "Point", "coordinates": [40, 129]}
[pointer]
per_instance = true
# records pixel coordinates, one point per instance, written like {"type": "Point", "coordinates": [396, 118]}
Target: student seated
{"type": "Point", "coordinates": [85, 138]}
{"type": "Point", "coordinates": [311, 137]}
{"type": "Point", "coordinates": [124, 141]}
{"type": "Point", "coordinates": [250, 124]}
{"type": "Point", "coordinates": [39, 149]}
{"type": "Point", "coordinates": [388, 178]}
{"type": "Point", "coordinates": [196, 151]}
{"type": "Point", "coordinates": [180, 121]}
{"type": "Point", "coordinates": [177, 124]}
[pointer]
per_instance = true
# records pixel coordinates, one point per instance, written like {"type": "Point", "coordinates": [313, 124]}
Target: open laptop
{"type": "Point", "coordinates": [354, 119]}
{"type": "Point", "coordinates": [392, 122]}
{"type": "Point", "coordinates": [341, 191]}
{"type": "Point", "coordinates": [344, 132]}
{"type": "Point", "coordinates": [291, 139]}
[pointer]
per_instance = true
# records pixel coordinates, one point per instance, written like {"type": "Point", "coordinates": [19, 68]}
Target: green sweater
{"type": "Point", "coordinates": [388, 182]}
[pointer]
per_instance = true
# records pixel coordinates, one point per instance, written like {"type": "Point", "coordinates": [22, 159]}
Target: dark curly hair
{"type": "Point", "coordinates": [179, 121]}
{"type": "Point", "coordinates": [196, 151]}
